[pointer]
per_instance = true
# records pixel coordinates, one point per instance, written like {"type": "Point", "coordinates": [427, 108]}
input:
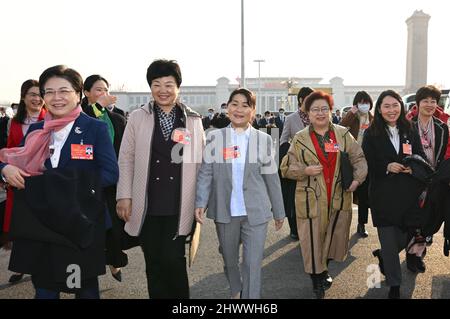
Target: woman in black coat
{"type": "Point", "coordinates": [94, 104]}
{"type": "Point", "coordinates": [393, 192]}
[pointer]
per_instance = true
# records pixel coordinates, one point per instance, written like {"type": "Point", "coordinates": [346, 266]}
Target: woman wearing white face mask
{"type": "Point", "coordinates": [358, 120]}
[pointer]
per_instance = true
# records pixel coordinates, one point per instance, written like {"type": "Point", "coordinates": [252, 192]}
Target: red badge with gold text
{"type": "Point", "coordinates": [231, 152]}
{"type": "Point", "coordinates": [407, 149]}
{"type": "Point", "coordinates": [331, 147]}
{"type": "Point", "coordinates": [82, 151]}
{"type": "Point", "coordinates": [181, 135]}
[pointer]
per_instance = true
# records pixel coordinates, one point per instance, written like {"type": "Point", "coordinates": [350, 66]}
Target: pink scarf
{"type": "Point", "coordinates": [32, 156]}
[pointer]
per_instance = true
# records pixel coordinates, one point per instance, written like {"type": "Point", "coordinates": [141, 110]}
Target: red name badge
{"type": "Point", "coordinates": [231, 152]}
{"type": "Point", "coordinates": [181, 136]}
{"type": "Point", "coordinates": [331, 147]}
{"type": "Point", "coordinates": [407, 149]}
{"type": "Point", "coordinates": [82, 151]}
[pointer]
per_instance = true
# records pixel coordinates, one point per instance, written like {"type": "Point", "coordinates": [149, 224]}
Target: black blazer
{"type": "Point", "coordinates": [280, 124]}
{"type": "Point", "coordinates": [438, 201]}
{"type": "Point", "coordinates": [59, 220]}
{"type": "Point", "coordinates": [118, 232]}
{"type": "Point", "coordinates": [440, 139]}
{"type": "Point", "coordinates": [116, 110]}
{"type": "Point", "coordinates": [118, 121]}
{"type": "Point", "coordinates": [391, 196]}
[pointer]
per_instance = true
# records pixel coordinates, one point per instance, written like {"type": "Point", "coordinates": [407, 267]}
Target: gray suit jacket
{"type": "Point", "coordinates": [262, 190]}
{"type": "Point", "coordinates": [292, 125]}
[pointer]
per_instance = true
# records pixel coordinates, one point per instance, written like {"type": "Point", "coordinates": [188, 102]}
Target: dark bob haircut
{"type": "Point", "coordinates": [303, 93]}
{"type": "Point", "coordinates": [363, 97]}
{"type": "Point", "coordinates": [62, 71]}
{"type": "Point", "coordinates": [249, 95]}
{"type": "Point", "coordinates": [91, 79]}
{"type": "Point", "coordinates": [161, 68]}
{"type": "Point", "coordinates": [426, 92]}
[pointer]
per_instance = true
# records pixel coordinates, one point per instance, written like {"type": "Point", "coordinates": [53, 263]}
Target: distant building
{"type": "Point", "coordinates": [274, 93]}
{"type": "Point", "coordinates": [277, 92]}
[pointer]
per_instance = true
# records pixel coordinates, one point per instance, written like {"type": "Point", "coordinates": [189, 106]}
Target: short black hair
{"type": "Point", "coordinates": [161, 68]}
{"type": "Point", "coordinates": [303, 93]}
{"type": "Point", "coordinates": [88, 84]}
{"type": "Point", "coordinates": [267, 112]}
{"type": "Point", "coordinates": [281, 109]}
{"type": "Point", "coordinates": [363, 96]}
{"type": "Point", "coordinates": [249, 95]}
{"type": "Point", "coordinates": [91, 79]}
{"type": "Point", "coordinates": [426, 92]}
{"type": "Point", "coordinates": [62, 71]}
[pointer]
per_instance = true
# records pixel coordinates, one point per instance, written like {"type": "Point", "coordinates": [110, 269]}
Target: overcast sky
{"type": "Point", "coordinates": [362, 41]}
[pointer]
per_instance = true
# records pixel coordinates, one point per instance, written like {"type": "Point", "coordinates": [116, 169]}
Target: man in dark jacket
{"type": "Point", "coordinates": [221, 120]}
{"type": "Point", "coordinates": [279, 120]}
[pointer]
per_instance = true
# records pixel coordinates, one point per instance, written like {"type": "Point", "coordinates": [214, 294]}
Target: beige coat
{"type": "Point", "coordinates": [134, 166]}
{"type": "Point", "coordinates": [328, 226]}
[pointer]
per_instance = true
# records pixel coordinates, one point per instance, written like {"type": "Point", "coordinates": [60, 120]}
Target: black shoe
{"type": "Point", "coordinates": [293, 236]}
{"type": "Point", "coordinates": [15, 278]}
{"type": "Point", "coordinates": [319, 293]}
{"type": "Point", "coordinates": [118, 275]}
{"type": "Point", "coordinates": [377, 253]}
{"type": "Point", "coordinates": [327, 280]}
{"type": "Point", "coordinates": [361, 230]}
{"type": "Point", "coordinates": [394, 292]}
{"type": "Point", "coordinates": [411, 263]}
{"type": "Point", "coordinates": [420, 265]}
{"type": "Point", "coordinates": [318, 286]}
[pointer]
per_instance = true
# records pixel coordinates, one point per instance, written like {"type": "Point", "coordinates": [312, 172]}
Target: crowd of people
{"type": "Point", "coordinates": [83, 183]}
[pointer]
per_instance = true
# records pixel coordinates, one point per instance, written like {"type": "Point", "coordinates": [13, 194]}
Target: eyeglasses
{"type": "Point", "coordinates": [32, 94]}
{"type": "Point", "coordinates": [63, 93]}
{"type": "Point", "coordinates": [317, 110]}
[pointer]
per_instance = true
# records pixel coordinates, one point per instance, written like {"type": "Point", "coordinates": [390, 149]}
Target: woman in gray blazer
{"type": "Point", "coordinates": [239, 184]}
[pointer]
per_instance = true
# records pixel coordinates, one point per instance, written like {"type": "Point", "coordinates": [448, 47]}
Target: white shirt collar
{"type": "Point", "coordinates": [246, 132]}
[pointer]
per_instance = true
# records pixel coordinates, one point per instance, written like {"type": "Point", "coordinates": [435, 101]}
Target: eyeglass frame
{"type": "Point", "coordinates": [32, 94]}
{"type": "Point", "coordinates": [320, 110]}
{"type": "Point", "coordinates": [52, 93]}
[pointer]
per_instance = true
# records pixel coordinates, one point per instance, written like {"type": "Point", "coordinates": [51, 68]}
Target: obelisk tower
{"type": "Point", "coordinates": [417, 51]}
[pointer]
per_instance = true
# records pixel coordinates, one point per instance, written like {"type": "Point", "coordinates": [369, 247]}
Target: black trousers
{"type": "Point", "coordinates": [165, 260]}
{"type": "Point", "coordinates": [288, 190]}
{"type": "Point", "coordinates": [363, 202]}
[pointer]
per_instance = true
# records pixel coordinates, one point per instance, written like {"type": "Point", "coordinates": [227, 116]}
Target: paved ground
{"type": "Point", "coordinates": [282, 273]}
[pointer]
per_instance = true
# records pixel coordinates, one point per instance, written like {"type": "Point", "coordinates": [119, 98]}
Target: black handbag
{"type": "Point", "coordinates": [346, 169]}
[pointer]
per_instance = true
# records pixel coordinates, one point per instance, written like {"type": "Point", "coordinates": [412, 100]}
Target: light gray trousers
{"type": "Point", "coordinates": [253, 239]}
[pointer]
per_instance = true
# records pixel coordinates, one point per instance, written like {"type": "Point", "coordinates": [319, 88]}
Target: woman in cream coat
{"type": "Point", "coordinates": [323, 207]}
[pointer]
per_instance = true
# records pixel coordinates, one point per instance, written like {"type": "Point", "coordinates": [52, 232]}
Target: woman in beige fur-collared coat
{"type": "Point", "coordinates": [160, 155]}
{"type": "Point", "coordinates": [323, 208]}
